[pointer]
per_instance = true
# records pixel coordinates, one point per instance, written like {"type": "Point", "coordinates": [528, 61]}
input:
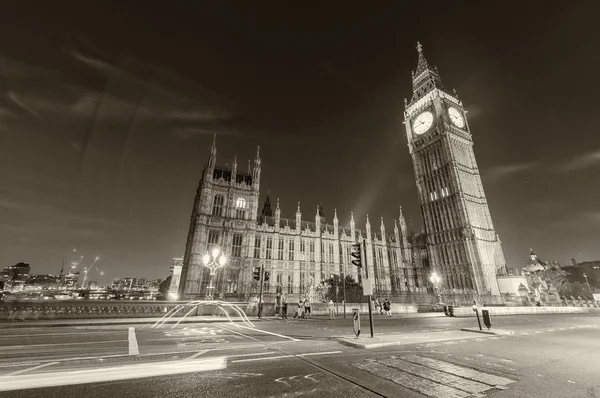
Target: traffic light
{"type": "Point", "coordinates": [256, 273]}
{"type": "Point", "coordinates": [267, 276]}
{"type": "Point", "coordinates": [355, 255]}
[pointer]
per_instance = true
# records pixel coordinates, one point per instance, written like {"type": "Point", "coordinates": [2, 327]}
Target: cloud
{"type": "Point", "coordinates": [473, 111]}
{"type": "Point", "coordinates": [499, 172]}
{"type": "Point", "coordinates": [582, 162]}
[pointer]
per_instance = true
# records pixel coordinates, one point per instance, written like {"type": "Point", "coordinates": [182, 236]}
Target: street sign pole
{"type": "Point", "coordinates": [344, 290]}
{"type": "Point", "coordinates": [369, 296]}
{"type": "Point", "coordinates": [260, 292]}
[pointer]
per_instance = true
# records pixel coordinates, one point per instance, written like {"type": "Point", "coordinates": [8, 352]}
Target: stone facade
{"type": "Point", "coordinates": [462, 244]}
{"type": "Point", "coordinates": [298, 254]}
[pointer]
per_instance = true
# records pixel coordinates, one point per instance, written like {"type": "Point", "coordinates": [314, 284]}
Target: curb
{"type": "Point", "coordinates": [495, 332]}
{"type": "Point", "coordinates": [367, 345]}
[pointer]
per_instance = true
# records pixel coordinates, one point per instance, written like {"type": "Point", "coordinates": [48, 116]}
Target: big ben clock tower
{"type": "Point", "coordinates": [464, 248]}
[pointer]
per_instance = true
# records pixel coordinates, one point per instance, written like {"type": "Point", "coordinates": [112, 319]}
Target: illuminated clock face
{"type": "Point", "coordinates": [423, 122]}
{"type": "Point", "coordinates": [456, 117]}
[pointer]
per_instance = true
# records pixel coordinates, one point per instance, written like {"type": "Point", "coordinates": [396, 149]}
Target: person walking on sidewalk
{"type": "Point", "coordinates": [331, 309]}
{"type": "Point", "coordinates": [387, 306]}
{"type": "Point", "coordinates": [307, 309]}
{"type": "Point", "coordinates": [284, 307]}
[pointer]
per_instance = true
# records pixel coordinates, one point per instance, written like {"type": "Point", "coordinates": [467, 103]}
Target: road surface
{"type": "Point", "coordinates": [550, 356]}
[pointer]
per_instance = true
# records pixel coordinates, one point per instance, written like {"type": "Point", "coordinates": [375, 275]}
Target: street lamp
{"type": "Point", "coordinates": [215, 260]}
{"type": "Point", "coordinates": [435, 279]}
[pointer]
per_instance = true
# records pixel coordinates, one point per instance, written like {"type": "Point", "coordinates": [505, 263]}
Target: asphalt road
{"type": "Point", "coordinates": [551, 356]}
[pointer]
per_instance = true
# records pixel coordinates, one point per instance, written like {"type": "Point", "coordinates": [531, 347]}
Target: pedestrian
{"type": "Point", "coordinates": [376, 304]}
{"type": "Point", "coordinates": [307, 312]}
{"type": "Point", "coordinates": [299, 310]}
{"type": "Point", "coordinates": [387, 306]}
{"type": "Point", "coordinates": [331, 310]}
{"type": "Point", "coordinates": [284, 307]}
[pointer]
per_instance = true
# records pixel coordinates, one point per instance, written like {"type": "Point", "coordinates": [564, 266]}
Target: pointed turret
{"type": "Point", "coordinates": [382, 229]}
{"type": "Point", "coordinates": [298, 218]}
{"type": "Point", "coordinates": [256, 170]}
{"type": "Point", "coordinates": [234, 169]}
{"type": "Point", "coordinates": [318, 218]}
{"type": "Point", "coordinates": [211, 161]}
{"type": "Point", "coordinates": [402, 223]}
{"type": "Point", "coordinates": [425, 79]}
{"type": "Point", "coordinates": [266, 211]}
{"type": "Point", "coordinates": [352, 227]}
{"type": "Point", "coordinates": [277, 210]}
{"type": "Point", "coordinates": [336, 223]}
{"type": "Point", "coordinates": [368, 228]}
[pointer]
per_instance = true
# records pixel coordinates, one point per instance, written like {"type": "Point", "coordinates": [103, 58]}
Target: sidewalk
{"type": "Point", "coordinates": [5, 324]}
{"type": "Point", "coordinates": [396, 339]}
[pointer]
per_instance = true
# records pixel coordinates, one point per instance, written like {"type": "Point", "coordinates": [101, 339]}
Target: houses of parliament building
{"type": "Point", "coordinates": [459, 242]}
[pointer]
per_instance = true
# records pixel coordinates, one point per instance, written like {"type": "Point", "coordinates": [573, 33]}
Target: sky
{"type": "Point", "coordinates": [107, 112]}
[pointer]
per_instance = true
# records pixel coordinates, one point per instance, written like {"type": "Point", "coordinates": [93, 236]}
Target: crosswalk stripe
{"type": "Point", "coordinates": [424, 386]}
{"type": "Point", "coordinates": [467, 373]}
{"type": "Point", "coordinates": [435, 375]}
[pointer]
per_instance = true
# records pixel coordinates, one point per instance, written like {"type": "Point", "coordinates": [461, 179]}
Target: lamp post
{"type": "Point", "coordinates": [213, 260]}
{"type": "Point", "coordinates": [435, 279]}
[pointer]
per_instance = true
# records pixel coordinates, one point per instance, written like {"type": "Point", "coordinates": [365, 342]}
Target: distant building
{"type": "Point", "coordinates": [93, 285]}
{"type": "Point", "coordinates": [43, 281]}
{"type": "Point", "coordinates": [70, 280]}
{"type": "Point", "coordinates": [15, 276]}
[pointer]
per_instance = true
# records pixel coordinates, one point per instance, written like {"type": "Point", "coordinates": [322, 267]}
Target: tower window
{"type": "Point", "coordinates": [240, 203]}
{"type": "Point", "coordinates": [291, 250]}
{"type": "Point", "coordinates": [240, 208]}
{"type": "Point", "coordinates": [312, 251]}
{"type": "Point", "coordinates": [217, 209]}
{"type": "Point", "coordinates": [213, 239]}
{"type": "Point", "coordinates": [280, 251]}
{"type": "Point", "coordinates": [290, 284]}
{"type": "Point", "coordinates": [237, 245]}
{"type": "Point", "coordinates": [269, 247]}
{"type": "Point", "coordinates": [257, 247]}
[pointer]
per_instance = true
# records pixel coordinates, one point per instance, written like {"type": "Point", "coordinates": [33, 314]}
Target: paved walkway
{"type": "Point", "coordinates": [395, 339]}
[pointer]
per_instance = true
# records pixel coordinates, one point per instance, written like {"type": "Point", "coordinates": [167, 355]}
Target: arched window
{"type": "Point", "coordinates": [240, 208]}
{"type": "Point", "coordinates": [240, 203]}
{"type": "Point", "coordinates": [217, 209]}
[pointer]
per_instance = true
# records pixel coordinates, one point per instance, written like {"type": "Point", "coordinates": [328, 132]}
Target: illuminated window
{"type": "Point", "coordinates": [240, 203]}
{"type": "Point", "coordinates": [213, 239]}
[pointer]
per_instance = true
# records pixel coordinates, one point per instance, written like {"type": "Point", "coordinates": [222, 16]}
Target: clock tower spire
{"type": "Point", "coordinates": [462, 243]}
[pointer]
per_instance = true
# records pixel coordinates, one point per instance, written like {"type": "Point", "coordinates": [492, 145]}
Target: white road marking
{"type": "Point", "coordinates": [570, 381]}
{"type": "Point", "coordinates": [16, 372]}
{"type": "Point", "coordinates": [127, 372]}
{"type": "Point", "coordinates": [287, 356]}
{"type": "Point", "coordinates": [261, 359]}
{"type": "Point", "coordinates": [539, 331]}
{"type": "Point", "coordinates": [55, 344]}
{"type": "Point", "coordinates": [271, 333]}
{"type": "Point", "coordinates": [308, 376]}
{"type": "Point", "coordinates": [506, 360]}
{"type": "Point", "coordinates": [561, 329]}
{"type": "Point", "coordinates": [319, 353]}
{"type": "Point", "coordinates": [241, 334]}
{"type": "Point", "coordinates": [196, 355]}
{"type": "Point", "coordinates": [33, 335]}
{"type": "Point", "coordinates": [550, 330]}
{"type": "Point", "coordinates": [133, 345]}
{"type": "Point", "coordinates": [524, 333]}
